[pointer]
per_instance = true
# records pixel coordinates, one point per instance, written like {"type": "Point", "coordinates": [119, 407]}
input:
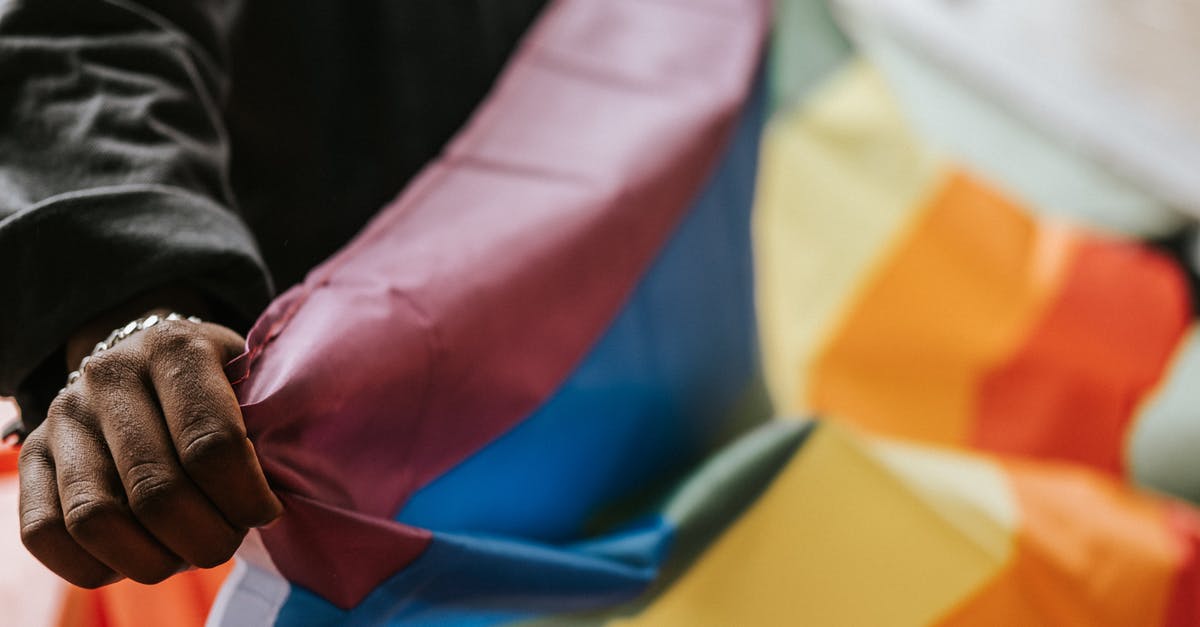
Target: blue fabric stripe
{"type": "Point", "coordinates": [476, 580]}
{"type": "Point", "coordinates": [647, 401]}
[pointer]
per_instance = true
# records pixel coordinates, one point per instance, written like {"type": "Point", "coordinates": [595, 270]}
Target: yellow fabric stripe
{"type": "Point", "coordinates": [970, 494]}
{"type": "Point", "coordinates": [850, 535]}
{"type": "Point", "coordinates": [839, 179]}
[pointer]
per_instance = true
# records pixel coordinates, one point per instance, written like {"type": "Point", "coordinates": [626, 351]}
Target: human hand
{"type": "Point", "coordinates": [142, 466]}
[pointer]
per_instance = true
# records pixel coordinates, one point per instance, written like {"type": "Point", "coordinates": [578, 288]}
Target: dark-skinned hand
{"type": "Point", "coordinates": [142, 467]}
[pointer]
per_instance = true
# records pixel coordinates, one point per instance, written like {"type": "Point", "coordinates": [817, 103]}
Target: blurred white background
{"type": "Point", "coordinates": [1116, 79]}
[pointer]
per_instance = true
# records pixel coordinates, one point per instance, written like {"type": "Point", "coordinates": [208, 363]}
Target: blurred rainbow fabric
{"type": "Point", "coordinates": [532, 390]}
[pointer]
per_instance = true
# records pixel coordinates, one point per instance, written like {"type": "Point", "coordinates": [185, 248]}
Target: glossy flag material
{"type": "Point", "coordinates": [555, 316]}
{"type": "Point", "coordinates": [530, 390]}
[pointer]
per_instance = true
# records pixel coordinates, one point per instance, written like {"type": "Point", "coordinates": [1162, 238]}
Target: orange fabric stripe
{"type": "Point", "coordinates": [957, 295]}
{"type": "Point", "coordinates": [181, 601]}
{"type": "Point", "coordinates": [1072, 389]}
{"type": "Point", "coordinates": [1089, 553]}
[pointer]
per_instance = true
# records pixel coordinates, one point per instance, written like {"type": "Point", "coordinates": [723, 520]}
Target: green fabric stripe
{"type": "Point", "coordinates": [806, 47]}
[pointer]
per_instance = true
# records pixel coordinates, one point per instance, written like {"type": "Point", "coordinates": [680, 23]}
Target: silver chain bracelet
{"type": "Point", "coordinates": [120, 334]}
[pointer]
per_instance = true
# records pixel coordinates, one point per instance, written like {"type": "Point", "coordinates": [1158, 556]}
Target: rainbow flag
{"type": "Point", "coordinates": [466, 409]}
{"type": "Point", "coordinates": [531, 391]}
{"type": "Point", "coordinates": [903, 291]}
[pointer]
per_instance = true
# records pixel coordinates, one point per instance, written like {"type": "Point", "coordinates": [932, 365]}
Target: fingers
{"type": "Point", "coordinates": [142, 465]}
{"type": "Point", "coordinates": [94, 511]}
{"type": "Point", "coordinates": [162, 497]}
{"type": "Point", "coordinates": [205, 423]}
{"type": "Point", "coordinates": [43, 530]}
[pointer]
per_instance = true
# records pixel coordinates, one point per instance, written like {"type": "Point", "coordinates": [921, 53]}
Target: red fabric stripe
{"type": "Point", "coordinates": [1183, 609]}
{"type": "Point", "coordinates": [1070, 392]}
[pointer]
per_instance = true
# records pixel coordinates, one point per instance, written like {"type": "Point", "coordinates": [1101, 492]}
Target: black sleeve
{"type": "Point", "coordinates": [113, 172]}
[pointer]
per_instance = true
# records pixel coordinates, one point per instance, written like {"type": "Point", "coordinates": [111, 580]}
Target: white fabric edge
{"type": "Point", "coordinates": [254, 592]}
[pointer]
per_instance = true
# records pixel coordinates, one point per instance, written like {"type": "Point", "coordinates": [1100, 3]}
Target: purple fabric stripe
{"type": "Point", "coordinates": [464, 305]}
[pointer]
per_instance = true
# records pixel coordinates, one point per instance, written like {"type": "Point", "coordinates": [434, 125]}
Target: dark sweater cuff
{"type": "Point", "coordinates": [74, 256]}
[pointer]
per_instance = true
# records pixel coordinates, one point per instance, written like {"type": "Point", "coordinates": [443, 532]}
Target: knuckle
{"type": "Point", "coordinates": [174, 339]}
{"type": "Point", "coordinates": [210, 445]}
{"type": "Point", "coordinates": [87, 518]}
{"type": "Point", "coordinates": [112, 366]}
{"type": "Point", "coordinates": [152, 487]}
{"type": "Point", "coordinates": [34, 450]}
{"type": "Point", "coordinates": [71, 418]}
{"type": "Point", "coordinates": [70, 404]}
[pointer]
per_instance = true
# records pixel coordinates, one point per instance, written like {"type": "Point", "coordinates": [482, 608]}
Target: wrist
{"type": "Point", "coordinates": [158, 302]}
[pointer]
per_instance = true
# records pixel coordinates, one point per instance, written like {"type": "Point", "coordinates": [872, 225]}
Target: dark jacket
{"type": "Point", "coordinates": [224, 145]}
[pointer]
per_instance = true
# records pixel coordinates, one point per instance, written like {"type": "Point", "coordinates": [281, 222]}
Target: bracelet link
{"type": "Point", "coordinates": [122, 333]}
